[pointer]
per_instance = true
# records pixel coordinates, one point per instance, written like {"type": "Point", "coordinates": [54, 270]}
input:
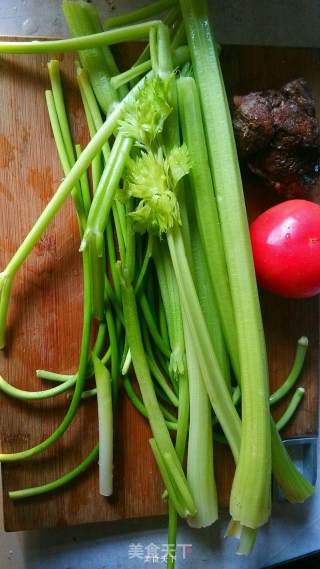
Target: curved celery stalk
{"type": "Point", "coordinates": [301, 350]}
{"type": "Point", "coordinates": [12, 391]}
{"type": "Point", "coordinates": [125, 34]}
{"type": "Point", "coordinates": [64, 158]}
{"type": "Point", "coordinates": [105, 416]}
{"type": "Point", "coordinates": [180, 56]}
{"type": "Point", "coordinates": [65, 479]}
{"type": "Point", "coordinates": [251, 491]}
{"type": "Point", "coordinates": [92, 107]}
{"type": "Point", "coordinates": [302, 347]}
{"type": "Point", "coordinates": [80, 381]}
{"type": "Point", "coordinates": [295, 487]}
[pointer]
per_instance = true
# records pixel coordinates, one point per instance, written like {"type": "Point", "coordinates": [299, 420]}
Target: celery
{"type": "Point", "coordinates": [78, 16]}
{"type": "Point", "coordinates": [65, 479]}
{"type": "Point", "coordinates": [180, 56]}
{"type": "Point", "coordinates": [158, 426]}
{"type": "Point", "coordinates": [80, 380]}
{"type": "Point", "coordinates": [64, 190]}
{"type": "Point", "coordinates": [291, 409]}
{"type": "Point", "coordinates": [205, 206]}
{"type": "Point", "coordinates": [104, 397]}
{"type": "Point", "coordinates": [251, 491]}
{"type": "Point", "coordinates": [111, 37]}
{"type": "Point", "coordinates": [84, 185]}
{"type": "Point", "coordinates": [137, 403]}
{"type": "Point", "coordinates": [12, 391]}
{"type": "Point", "coordinates": [302, 347]}
{"type": "Point", "coordinates": [200, 449]}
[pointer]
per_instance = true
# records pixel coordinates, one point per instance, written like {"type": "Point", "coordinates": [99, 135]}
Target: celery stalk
{"type": "Point", "coordinates": [80, 378]}
{"type": "Point", "coordinates": [204, 203]}
{"type": "Point", "coordinates": [200, 449]}
{"type": "Point", "coordinates": [211, 373]}
{"type": "Point", "coordinates": [158, 426]}
{"type": "Point", "coordinates": [291, 409]}
{"type": "Point", "coordinates": [65, 479]}
{"type": "Point", "coordinates": [105, 416]}
{"type": "Point", "coordinates": [82, 19]}
{"type": "Point", "coordinates": [110, 37]}
{"type": "Point", "coordinates": [180, 57]}
{"type": "Point", "coordinates": [251, 492]}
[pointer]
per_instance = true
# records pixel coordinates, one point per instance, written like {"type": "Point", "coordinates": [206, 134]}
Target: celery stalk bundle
{"type": "Point", "coordinates": [175, 299]}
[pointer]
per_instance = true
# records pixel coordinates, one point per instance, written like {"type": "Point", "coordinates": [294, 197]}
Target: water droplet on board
{"type": "Point", "coordinates": [29, 26]}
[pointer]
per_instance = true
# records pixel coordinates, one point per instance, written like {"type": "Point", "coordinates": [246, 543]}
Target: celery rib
{"type": "Point", "coordinates": [111, 37]}
{"type": "Point", "coordinates": [294, 374]}
{"type": "Point", "coordinates": [105, 418]}
{"type": "Point", "coordinates": [156, 419]}
{"type": "Point", "coordinates": [62, 481]}
{"type": "Point", "coordinates": [251, 491]}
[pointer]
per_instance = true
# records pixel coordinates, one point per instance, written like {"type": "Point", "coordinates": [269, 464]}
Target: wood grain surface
{"type": "Point", "coordinates": [46, 309]}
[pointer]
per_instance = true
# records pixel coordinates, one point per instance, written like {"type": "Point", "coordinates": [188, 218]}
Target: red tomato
{"type": "Point", "coordinates": [286, 248]}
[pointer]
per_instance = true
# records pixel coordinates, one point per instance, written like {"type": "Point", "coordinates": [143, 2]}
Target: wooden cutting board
{"type": "Point", "coordinates": [46, 310]}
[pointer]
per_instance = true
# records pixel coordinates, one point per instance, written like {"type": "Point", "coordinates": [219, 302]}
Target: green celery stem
{"type": "Point", "coordinates": [250, 502]}
{"type": "Point", "coordinates": [157, 423]}
{"type": "Point", "coordinates": [217, 390]}
{"type": "Point", "coordinates": [294, 374]}
{"type": "Point", "coordinates": [110, 37]}
{"type": "Point", "coordinates": [80, 382]}
{"type": "Point", "coordinates": [291, 409]}
{"type": "Point", "coordinates": [62, 481]}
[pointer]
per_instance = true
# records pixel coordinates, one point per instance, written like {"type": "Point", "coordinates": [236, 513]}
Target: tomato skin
{"type": "Point", "coordinates": [286, 248]}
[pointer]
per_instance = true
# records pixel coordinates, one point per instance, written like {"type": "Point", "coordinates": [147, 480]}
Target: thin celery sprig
{"type": "Point", "coordinates": [144, 13]}
{"type": "Point", "coordinates": [110, 37]}
{"type": "Point", "coordinates": [291, 409]}
{"type": "Point", "coordinates": [285, 387]}
{"type": "Point", "coordinates": [81, 377]}
{"type": "Point", "coordinates": [180, 56]}
{"type": "Point", "coordinates": [301, 350]}
{"type": "Point", "coordinates": [25, 395]}
{"type": "Point", "coordinates": [59, 482]}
